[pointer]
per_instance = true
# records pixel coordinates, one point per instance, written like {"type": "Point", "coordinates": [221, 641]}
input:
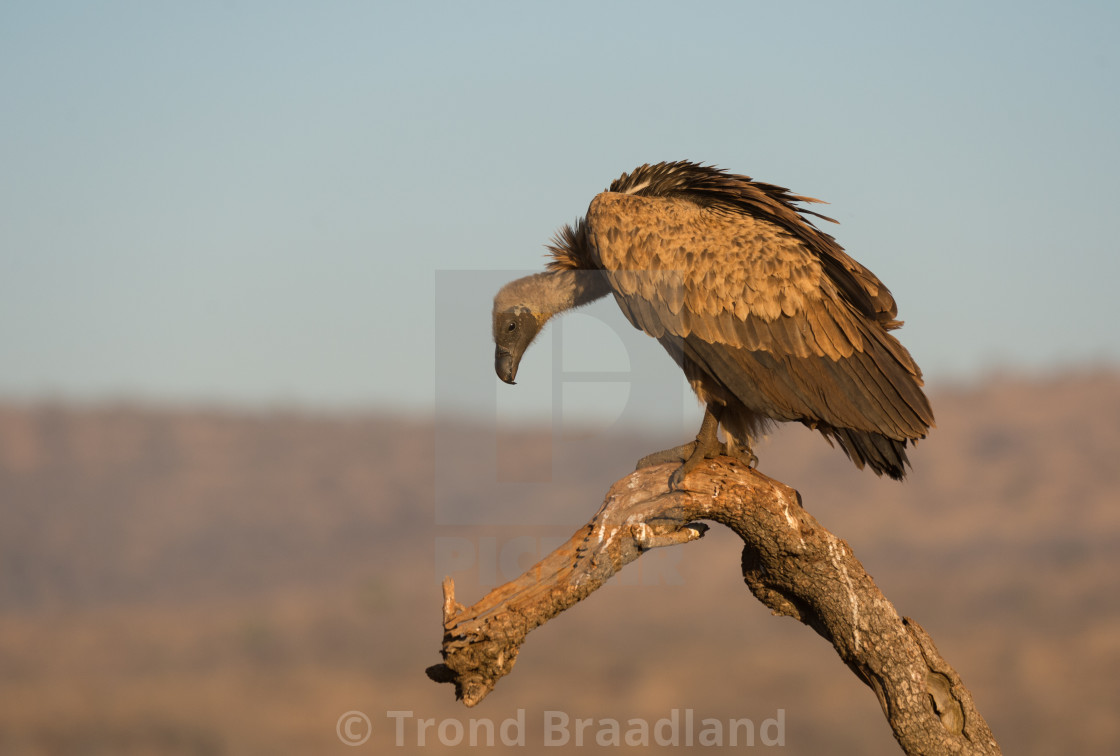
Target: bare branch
{"type": "Point", "coordinates": [790, 563]}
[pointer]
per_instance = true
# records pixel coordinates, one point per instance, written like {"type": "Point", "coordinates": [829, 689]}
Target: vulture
{"type": "Point", "coordinates": [766, 315]}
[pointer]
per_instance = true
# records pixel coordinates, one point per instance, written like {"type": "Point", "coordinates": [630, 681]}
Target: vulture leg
{"type": "Point", "coordinates": [706, 446]}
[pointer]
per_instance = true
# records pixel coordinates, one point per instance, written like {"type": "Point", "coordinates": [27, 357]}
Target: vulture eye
{"type": "Point", "coordinates": [512, 326]}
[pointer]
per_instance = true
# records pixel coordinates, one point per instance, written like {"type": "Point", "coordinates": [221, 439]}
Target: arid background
{"type": "Point", "coordinates": [177, 581]}
{"type": "Point", "coordinates": [247, 259]}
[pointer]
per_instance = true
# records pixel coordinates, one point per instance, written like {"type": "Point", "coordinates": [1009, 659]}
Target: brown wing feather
{"type": "Point", "coordinates": [710, 187]}
{"type": "Point", "coordinates": [760, 314]}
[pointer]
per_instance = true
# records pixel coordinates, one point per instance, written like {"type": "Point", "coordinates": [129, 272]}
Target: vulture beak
{"type": "Point", "coordinates": [505, 365]}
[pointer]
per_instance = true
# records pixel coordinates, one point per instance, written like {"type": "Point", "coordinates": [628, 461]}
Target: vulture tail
{"type": "Point", "coordinates": [886, 456]}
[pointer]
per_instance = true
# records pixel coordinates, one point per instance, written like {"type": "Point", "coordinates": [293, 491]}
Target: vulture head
{"type": "Point", "coordinates": [522, 307]}
{"type": "Point", "coordinates": [514, 330]}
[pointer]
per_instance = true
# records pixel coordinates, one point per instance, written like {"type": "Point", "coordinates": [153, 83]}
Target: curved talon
{"type": "Point", "coordinates": [744, 454]}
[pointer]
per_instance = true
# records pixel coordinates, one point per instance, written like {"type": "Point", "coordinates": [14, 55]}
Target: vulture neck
{"type": "Point", "coordinates": [551, 293]}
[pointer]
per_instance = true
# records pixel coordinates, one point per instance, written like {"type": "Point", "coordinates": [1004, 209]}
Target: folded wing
{"type": "Point", "coordinates": [792, 331]}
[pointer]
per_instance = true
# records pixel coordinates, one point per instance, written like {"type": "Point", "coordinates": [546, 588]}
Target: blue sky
{"type": "Point", "coordinates": [252, 203]}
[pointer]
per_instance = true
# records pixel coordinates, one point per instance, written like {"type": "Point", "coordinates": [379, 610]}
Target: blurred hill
{"type": "Point", "coordinates": [204, 582]}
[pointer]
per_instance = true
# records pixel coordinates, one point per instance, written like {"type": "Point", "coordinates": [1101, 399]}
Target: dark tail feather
{"type": "Point", "coordinates": [886, 456]}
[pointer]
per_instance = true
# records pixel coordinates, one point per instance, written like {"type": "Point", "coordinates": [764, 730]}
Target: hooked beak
{"type": "Point", "coordinates": [505, 365]}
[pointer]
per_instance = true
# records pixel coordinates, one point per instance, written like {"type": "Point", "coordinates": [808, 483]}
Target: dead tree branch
{"type": "Point", "coordinates": [790, 563]}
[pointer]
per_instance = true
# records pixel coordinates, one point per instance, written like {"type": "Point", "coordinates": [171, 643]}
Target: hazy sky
{"type": "Point", "coordinates": [255, 202]}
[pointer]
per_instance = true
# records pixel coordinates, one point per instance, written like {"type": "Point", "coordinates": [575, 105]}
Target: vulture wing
{"type": "Point", "coordinates": [785, 321]}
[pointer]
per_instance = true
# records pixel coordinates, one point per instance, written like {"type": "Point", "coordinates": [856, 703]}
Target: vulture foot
{"type": "Point", "coordinates": [706, 446]}
{"type": "Point", "coordinates": [689, 455]}
{"type": "Point", "coordinates": [676, 454]}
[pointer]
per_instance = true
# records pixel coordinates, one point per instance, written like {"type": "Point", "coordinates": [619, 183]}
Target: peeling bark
{"type": "Point", "coordinates": [791, 564]}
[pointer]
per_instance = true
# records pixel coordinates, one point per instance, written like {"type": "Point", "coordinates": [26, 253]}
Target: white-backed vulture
{"type": "Point", "coordinates": [766, 315]}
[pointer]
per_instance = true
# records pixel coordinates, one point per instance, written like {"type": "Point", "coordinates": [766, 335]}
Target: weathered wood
{"type": "Point", "coordinates": [791, 563]}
